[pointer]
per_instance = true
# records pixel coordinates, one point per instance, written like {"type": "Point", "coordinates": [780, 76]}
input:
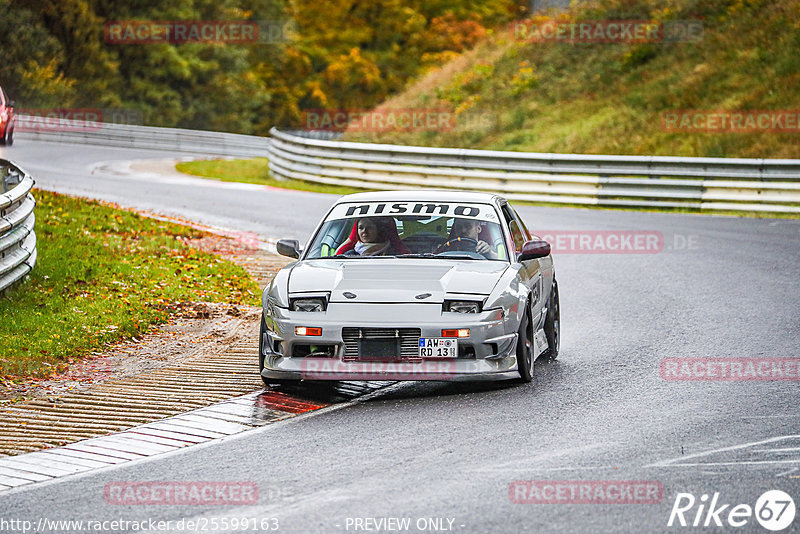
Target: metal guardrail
{"type": "Point", "coordinates": [17, 238]}
{"type": "Point", "coordinates": [707, 184]}
{"type": "Point", "coordinates": [729, 184]}
{"type": "Point", "coordinates": [143, 137]}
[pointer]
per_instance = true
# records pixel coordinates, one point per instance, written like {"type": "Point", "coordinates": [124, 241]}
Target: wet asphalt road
{"type": "Point", "coordinates": [444, 455]}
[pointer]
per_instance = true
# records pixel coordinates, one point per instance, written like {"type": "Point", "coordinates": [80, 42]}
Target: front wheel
{"type": "Point", "coordinates": [268, 381]}
{"type": "Point", "coordinates": [261, 335]}
{"type": "Point", "coordinates": [10, 137]}
{"type": "Point", "coordinates": [552, 325]}
{"type": "Point", "coordinates": [525, 350]}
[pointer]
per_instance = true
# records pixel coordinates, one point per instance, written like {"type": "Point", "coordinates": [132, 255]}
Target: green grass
{"type": "Point", "coordinates": [102, 275]}
{"type": "Point", "coordinates": [254, 171]}
{"type": "Point", "coordinates": [609, 98]}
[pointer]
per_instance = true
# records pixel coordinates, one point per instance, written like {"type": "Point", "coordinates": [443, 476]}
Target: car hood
{"type": "Point", "coordinates": [384, 280]}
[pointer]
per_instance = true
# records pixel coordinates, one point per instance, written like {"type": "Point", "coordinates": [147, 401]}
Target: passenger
{"type": "Point", "coordinates": [467, 229]}
{"type": "Point", "coordinates": [375, 238]}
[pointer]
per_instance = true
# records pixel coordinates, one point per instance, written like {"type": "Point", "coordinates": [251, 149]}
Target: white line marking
{"type": "Point", "coordinates": [680, 459]}
{"type": "Point", "coordinates": [517, 469]}
{"type": "Point", "coordinates": [790, 471]}
{"type": "Point", "coordinates": [784, 416]}
{"type": "Point", "coordinates": [747, 462]}
{"type": "Point", "coordinates": [523, 463]}
{"type": "Point", "coordinates": [788, 449]}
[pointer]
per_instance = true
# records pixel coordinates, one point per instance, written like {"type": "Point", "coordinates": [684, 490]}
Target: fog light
{"type": "Point", "coordinates": [456, 332]}
{"type": "Point", "coordinates": [307, 331]}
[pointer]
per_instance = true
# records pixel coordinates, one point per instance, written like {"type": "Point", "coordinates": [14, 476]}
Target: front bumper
{"type": "Point", "coordinates": [490, 348]}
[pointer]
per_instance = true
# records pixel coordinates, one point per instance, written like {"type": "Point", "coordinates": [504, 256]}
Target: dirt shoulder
{"type": "Point", "coordinates": [198, 329]}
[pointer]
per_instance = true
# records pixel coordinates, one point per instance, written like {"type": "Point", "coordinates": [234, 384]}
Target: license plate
{"type": "Point", "coordinates": [379, 349]}
{"type": "Point", "coordinates": [438, 347]}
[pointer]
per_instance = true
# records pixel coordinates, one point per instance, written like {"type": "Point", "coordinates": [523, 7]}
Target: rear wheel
{"type": "Point", "coordinates": [525, 350]}
{"type": "Point", "coordinates": [552, 325]}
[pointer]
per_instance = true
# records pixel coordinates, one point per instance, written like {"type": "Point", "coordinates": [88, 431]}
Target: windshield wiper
{"type": "Point", "coordinates": [438, 256]}
{"type": "Point", "coordinates": [425, 255]}
{"type": "Point", "coordinates": [457, 257]}
{"type": "Point", "coordinates": [352, 256]}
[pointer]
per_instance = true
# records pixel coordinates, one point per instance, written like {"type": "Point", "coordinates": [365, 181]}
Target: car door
{"type": "Point", "coordinates": [545, 264]}
{"type": "Point", "coordinates": [530, 271]}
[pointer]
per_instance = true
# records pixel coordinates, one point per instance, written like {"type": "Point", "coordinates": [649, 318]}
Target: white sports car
{"type": "Point", "coordinates": [412, 285]}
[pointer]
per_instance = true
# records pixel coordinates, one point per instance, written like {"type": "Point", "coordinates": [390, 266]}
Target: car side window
{"type": "Point", "coordinates": [513, 226]}
{"type": "Point", "coordinates": [525, 231]}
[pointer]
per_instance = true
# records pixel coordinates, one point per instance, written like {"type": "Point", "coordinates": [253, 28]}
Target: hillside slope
{"type": "Point", "coordinates": [611, 98]}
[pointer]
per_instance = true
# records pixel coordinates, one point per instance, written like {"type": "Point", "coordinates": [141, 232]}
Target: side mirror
{"type": "Point", "coordinates": [534, 249]}
{"type": "Point", "coordinates": [11, 103]}
{"type": "Point", "coordinates": [288, 247]}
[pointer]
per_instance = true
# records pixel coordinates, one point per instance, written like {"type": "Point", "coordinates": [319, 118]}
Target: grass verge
{"type": "Point", "coordinates": [102, 275]}
{"type": "Point", "coordinates": [254, 171]}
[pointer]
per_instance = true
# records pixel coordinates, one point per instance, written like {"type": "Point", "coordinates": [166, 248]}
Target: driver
{"type": "Point", "coordinates": [469, 229]}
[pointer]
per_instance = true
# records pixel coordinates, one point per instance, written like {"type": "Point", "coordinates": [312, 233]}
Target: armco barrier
{"type": "Point", "coordinates": [707, 184]}
{"type": "Point", "coordinates": [17, 238]}
{"type": "Point", "coordinates": [141, 137]}
{"type": "Point", "coordinates": [637, 181]}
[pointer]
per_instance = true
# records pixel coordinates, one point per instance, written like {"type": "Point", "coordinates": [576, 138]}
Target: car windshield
{"type": "Point", "coordinates": [415, 230]}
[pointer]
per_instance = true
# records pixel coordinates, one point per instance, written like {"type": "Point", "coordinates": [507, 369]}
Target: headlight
{"type": "Point", "coordinates": [316, 304]}
{"type": "Point", "coordinates": [462, 306]}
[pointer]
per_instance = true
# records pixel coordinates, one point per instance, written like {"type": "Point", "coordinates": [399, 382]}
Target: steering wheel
{"type": "Point", "coordinates": [466, 244]}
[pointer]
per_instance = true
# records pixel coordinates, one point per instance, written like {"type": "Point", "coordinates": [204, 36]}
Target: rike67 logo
{"type": "Point", "coordinates": [774, 510]}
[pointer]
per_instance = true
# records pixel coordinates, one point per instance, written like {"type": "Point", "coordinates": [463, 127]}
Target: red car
{"type": "Point", "coordinates": [6, 119]}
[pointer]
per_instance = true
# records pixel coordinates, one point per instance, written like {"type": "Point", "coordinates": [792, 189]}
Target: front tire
{"type": "Point", "coordinates": [552, 325]}
{"type": "Point", "coordinates": [262, 333]}
{"type": "Point", "coordinates": [268, 381]}
{"type": "Point", "coordinates": [525, 350]}
{"type": "Point", "coordinates": [9, 136]}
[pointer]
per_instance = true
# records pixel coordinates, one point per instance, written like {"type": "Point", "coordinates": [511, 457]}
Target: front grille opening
{"type": "Point", "coordinates": [407, 337]}
{"type": "Point", "coordinates": [301, 350]}
{"type": "Point", "coordinates": [276, 347]}
{"type": "Point", "coordinates": [466, 351]}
